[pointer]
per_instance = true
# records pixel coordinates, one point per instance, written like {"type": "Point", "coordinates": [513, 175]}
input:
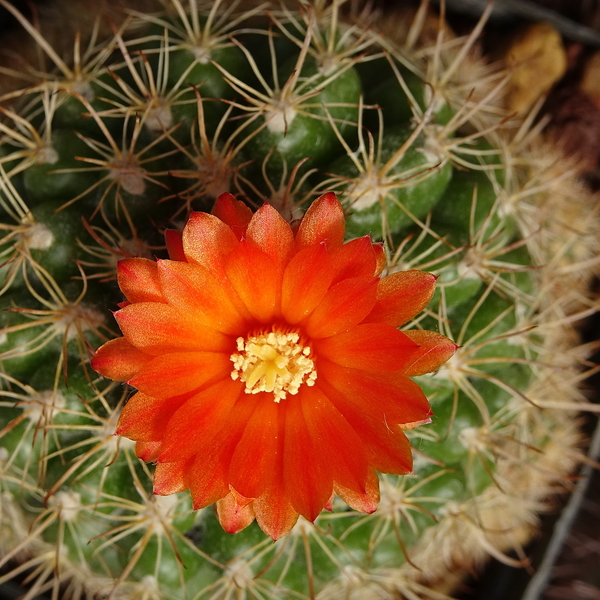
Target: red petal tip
{"type": "Point", "coordinates": [408, 426]}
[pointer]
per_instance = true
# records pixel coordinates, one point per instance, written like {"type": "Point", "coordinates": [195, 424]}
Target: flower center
{"type": "Point", "coordinates": [273, 362]}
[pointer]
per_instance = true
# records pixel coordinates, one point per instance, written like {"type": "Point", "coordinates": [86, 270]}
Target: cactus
{"type": "Point", "coordinates": [109, 146]}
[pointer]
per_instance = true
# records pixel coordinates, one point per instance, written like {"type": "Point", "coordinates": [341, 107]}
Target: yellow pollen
{"type": "Point", "coordinates": [273, 362]}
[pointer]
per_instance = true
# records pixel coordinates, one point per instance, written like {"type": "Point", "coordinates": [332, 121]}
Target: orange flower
{"type": "Point", "coordinates": [269, 369]}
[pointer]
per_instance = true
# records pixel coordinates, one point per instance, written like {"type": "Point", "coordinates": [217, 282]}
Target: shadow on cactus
{"type": "Point", "coordinates": [270, 342]}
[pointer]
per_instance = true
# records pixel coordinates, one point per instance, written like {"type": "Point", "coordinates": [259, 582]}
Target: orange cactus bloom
{"type": "Point", "coordinates": [269, 367]}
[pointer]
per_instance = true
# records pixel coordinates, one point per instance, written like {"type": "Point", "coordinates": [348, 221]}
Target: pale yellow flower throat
{"type": "Point", "coordinates": [273, 362]}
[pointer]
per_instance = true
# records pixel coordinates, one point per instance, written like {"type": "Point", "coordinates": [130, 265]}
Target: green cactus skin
{"type": "Point", "coordinates": [160, 117]}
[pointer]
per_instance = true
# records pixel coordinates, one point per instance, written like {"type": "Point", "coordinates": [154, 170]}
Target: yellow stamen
{"type": "Point", "coordinates": [273, 362]}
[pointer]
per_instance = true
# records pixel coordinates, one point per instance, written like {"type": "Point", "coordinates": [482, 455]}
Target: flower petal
{"type": "Point", "coordinates": [272, 234]}
{"type": "Point", "coordinates": [174, 241]}
{"type": "Point", "coordinates": [190, 288]}
{"type": "Point", "coordinates": [322, 222]}
{"type": "Point", "coordinates": [119, 360]}
{"type": "Point", "coordinates": [371, 346]}
{"type": "Point", "coordinates": [306, 280]}
{"type": "Point", "coordinates": [171, 478]}
{"type": "Point", "coordinates": [147, 451]}
{"type": "Point", "coordinates": [345, 305]}
{"type": "Point", "coordinates": [401, 296]}
{"type": "Point", "coordinates": [207, 241]}
{"type": "Point", "coordinates": [414, 424]}
{"type": "Point", "coordinates": [234, 512]}
{"type": "Point", "coordinates": [253, 460]}
{"type": "Point", "coordinates": [374, 416]}
{"type": "Point", "coordinates": [159, 329]}
{"type": "Point", "coordinates": [208, 478]}
{"type": "Point", "coordinates": [354, 259]}
{"type": "Point", "coordinates": [435, 349]}
{"type": "Point", "coordinates": [365, 502]}
{"type": "Point", "coordinates": [340, 445]}
{"type": "Point", "coordinates": [257, 280]}
{"type": "Point", "coordinates": [380, 258]}
{"type": "Point", "coordinates": [138, 280]}
{"type": "Point", "coordinates": [233, 212]}
{"type": "Point", "coordinates": [308, 479]}
{"type": "Point", "coordinates": [145, 418]}
{"type": "Point", "coordinates": [274, 513]}
{"type": "Point", "coordinates": [199, 420]}
{"type": "Point", "coordinates": [390, 398]}
{"type": "Point", "coordinates": [181, 372]}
